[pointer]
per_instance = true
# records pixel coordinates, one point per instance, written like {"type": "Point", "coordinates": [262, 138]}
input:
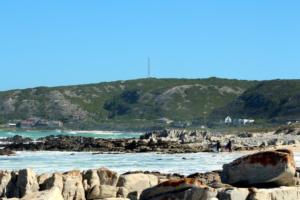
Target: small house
{"type": "Point", "coordinates": [228, 120]}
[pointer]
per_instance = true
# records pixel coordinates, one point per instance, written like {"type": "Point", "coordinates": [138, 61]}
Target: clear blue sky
{"type": "Point", "coordinates": [59, 42]}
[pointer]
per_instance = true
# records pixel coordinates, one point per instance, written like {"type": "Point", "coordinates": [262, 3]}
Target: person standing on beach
{"type": "Point", "coordinates": [218, 146]}
{"type": "Point", "coordinates": [229, 146]}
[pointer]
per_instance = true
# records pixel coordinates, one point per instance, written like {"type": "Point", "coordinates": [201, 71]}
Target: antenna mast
{"type": "Point", "coordinates": [149, 67]}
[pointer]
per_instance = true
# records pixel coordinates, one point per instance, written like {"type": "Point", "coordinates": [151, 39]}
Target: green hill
{"type": "Point", "coordinates": [138, 104]}
{"type": "Point", "coordinates": [131, 103]}
{"type": "Point", "coordinates": [270, 100]}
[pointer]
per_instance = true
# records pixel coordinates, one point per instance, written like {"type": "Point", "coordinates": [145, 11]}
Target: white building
{"type": "Point", "coordinates": [228, 120]}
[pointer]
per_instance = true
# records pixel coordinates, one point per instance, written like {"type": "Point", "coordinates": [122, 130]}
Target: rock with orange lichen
{"type": "Point", "coordinates": [268, 168]}
{"type": "Point", "coordinates": [183, 189]}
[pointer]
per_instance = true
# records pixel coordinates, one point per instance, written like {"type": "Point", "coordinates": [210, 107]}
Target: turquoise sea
{"type": "Point", "coordinates": [34, 134]}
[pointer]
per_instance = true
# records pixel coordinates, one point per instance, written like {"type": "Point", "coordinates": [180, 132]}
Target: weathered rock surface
{"type": "Point", "coordinates": [100, 183]}
{"type": "Point", "coordinates": [211, 179]}
{"type": "Point", "coordinates": [26, 183]}
{"type": "Point", "coordinates": [52, 194]}
{"type": "Point", "coordinates": [281, 193]}
{"type": "Point", "coordinates": [90, 180]}
{"type": "Point", "coordinates": [185, 189]}
{"type": "Point", "coordinates": [72, 186]}
{"type": "Point", "coordinates": [233, 194]}
{"type": "Point", "coordinates": [263, 168]}
{"type": "Point", "coordinates": [102, 191]}
{"type": "Point", "coordinates": [55, 180]}
{"type": "Point", "coordinates": [7, 183]}
{"type": "Point", "coordinates": [134, 184]}
{"type": "Point", "coordinates": [107, 177]}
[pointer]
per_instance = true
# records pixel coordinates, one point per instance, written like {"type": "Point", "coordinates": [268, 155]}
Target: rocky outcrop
{"type": "Point", "coordinates": [77, 143]}
{"type": "Point", "coordinates": [165, 141]}
{"type": "Point", "coordinates": [263, 168]}
{"type": "Point", "coordinates": [182, 136]}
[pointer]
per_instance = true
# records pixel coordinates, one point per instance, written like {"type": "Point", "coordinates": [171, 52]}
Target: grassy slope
{"type": "Point", "coordinates": [126, 102]}
{"type": "Point", "coordinates": [138, 103]}
{"type": "Point", "coordinates": [276, 99]}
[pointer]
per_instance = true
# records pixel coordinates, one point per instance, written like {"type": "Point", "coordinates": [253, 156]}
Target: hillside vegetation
{"type": "Point", "coordinates": [140, 103]}
{"type": "Point", "coordinates": [274, 100]}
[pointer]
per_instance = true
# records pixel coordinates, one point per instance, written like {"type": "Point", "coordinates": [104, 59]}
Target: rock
{"type": "Point", "coordinates": [234, 194]}
{"type": "Point", "coordinates": [7, 183]}
{"type": "Point", "coordinates": [115, 199]}
{"type": "Point", "coordinates": [6, 152]}
{"type": "Point", "coordinates": [136, 183]}
{"type": "Point", "coordinates": [281, 193]}
{"type": "Point", "coordinates": [102, 191]}
{"type": "Point", "coordinates": [42, 179]}
{"type": "Point", "coordinates": [211, 179]}
{"type": "Point", "coordinates": [122, 192]}
{"type": "Point", "coordinates": [72, 186]}
{"type": "Point", "coordinates": [107, 177]}
{"type": "Point", "coordinates": [183, 189]}
{"type": "Point", "coordinates": [94, 179]}
{"type": "Point", "coordinates": [53, 194]}
{"type": "Point", "coordinates": [56, 180]}
{"type": "Point", "coordinates": [90, 179]}
{"type": "Point", "coordinates": [268, 168]}
{"type": "Point", "coordinates": [26, 183]}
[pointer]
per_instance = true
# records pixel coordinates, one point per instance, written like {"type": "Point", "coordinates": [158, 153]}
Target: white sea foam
{"type": "Point", "coordinates": [49, 161]}
{"type": "Point", "coordinates": [105, 132]}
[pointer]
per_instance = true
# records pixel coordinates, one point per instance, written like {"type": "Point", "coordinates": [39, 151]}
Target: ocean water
{"type": "Point", "coordinates": [97, 134]}
{"type": "Point", "coordinates": [46, 161]}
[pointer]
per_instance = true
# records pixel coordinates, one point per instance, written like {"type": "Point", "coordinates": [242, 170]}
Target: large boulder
{"type": "Point", "coordinates": [72, 186]}
{"type": "Point", "coordinates": [100, 183]}
{"type": "Point", "coordinates": [107, 177]}
{"type": "Point", "coordinates": [26, 183]}
{"type": "Point", "coordinates": [135, 183]}
{"type": "Point", "coordinates": [268, 168]}
{"type": "Point", "coordinates": [183, 189]}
